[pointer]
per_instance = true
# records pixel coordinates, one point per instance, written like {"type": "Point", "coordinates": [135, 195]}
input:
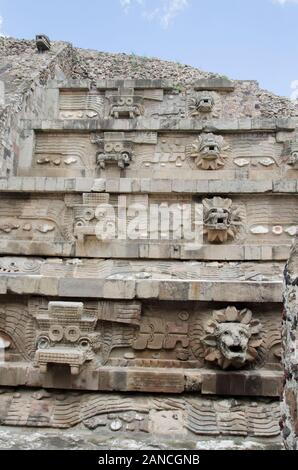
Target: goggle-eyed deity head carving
{"type": "Point", "coordinates": [66, 336]}
{"type": "Point", "coordinates": [221, 219]}
{"type": "Point", "coordinates": [113, 149]}
{"type": "Point", "coordinates": [126, 104]}
{"type": "Point", "coordinates": [232, 338]}
{"type": "Point", "coordinates": [115, 152]}
{"type": "Point", "coordinates": [208, 151]}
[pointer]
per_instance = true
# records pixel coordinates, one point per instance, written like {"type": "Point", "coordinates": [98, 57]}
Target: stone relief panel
{"type": "Point", "coordinates": [120, 101]}
{"type": "Point", "coordinates": [128, 99]}
{"type": "Point", "coordinates": [160, 155]}
{"type": "Point", "coordinates": [134, 269]}
{"type": "Point", "coordinates": [118, 149]}
{"type": "Point", "coordinates": [210, 156]}
{"type": "Point", "coordinates": [170, 226]}
{"type": "Point", "coordinates": [183, 417]}
{"type": "Point", "coordinates": [80, 104]}
{"type": "Point", "coordinates": [35, 221]}
{"type": "Point", "coordinates": [93, 334]}
{"type": "Point", "coordinates": [190, 337]}
{"type": "Point", "coordinates": [63, 154]}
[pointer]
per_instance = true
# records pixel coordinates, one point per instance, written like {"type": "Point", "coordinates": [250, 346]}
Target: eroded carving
{"type": "Point", "coordinates": [232, 338]}
{"type": "Point", "coordinates": [92, 209]}
{"type": "Point", "coordinates": [157, 333]}
{"type": "Point", "coordinates": [81, 104]}
{"type": "Point", "coordinates": [208, 151]}
{"type": "Point", "coordinates": [119, 412]}
{"type": "Point", "coordinates": [20, 266]}
{"type": "Point", "coordinates": [126, 103]}
{"type": "Point", "coordinates": [113, 149]}
{"type": "Point", "coordinates": [293, 158]}
{"type": "Point", "coordinates": [221, 219]}
{"type": "Point", "coordinates": [66, 336]}
{"type": "Point", "coordinates": [202, 103]}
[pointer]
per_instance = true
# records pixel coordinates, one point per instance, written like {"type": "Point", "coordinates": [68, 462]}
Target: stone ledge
{"type": "Point", "coordinates": [116, 280]}
{"type": "Point", "coordinates": [214, 84]}
{"type": "Point", "coordinates": [241, 383]}
{"type": "Point", "coordinates": [217, 291]}
{"type": "Point", "coordinates": [139, 83]}
{"type": "Point", "coordinates": [164, 124]}
{"type": "Point", "coordinates": [144, 185]}
{"type": "Point", "coordinates": [145, 250]}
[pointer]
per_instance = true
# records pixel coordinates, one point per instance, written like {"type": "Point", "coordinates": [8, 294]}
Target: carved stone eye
{"type": "Point", "coordinates": [121, 101]}
{"type": "Point", "coordinates": [109, 147]}
{"type": "Point", "coordinates": [89, 214]}
{"type": "Point", "coordinates": [56, 333]}
{"type": "Point", "coordinates": [72, 333]}
{"type": "Point", "coordinates": [84, 344]}
{"type": "Point", "coordinates": [129, 101]}
{"type": "Point", "coordinates": [43, 343]}
{"type": "Point", "coordinates": [80, 223]}
{"type": "Point", "coordinates": [118, 147]}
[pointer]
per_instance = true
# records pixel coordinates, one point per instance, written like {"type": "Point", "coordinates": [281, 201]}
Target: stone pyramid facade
{"type": "Point", "coordinates": [147, 212]}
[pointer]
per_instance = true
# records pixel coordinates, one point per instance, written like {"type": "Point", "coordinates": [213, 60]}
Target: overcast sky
{"type": "Point", "coordinates": [244, 39]}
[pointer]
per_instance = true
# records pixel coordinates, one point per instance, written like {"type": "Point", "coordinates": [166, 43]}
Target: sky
{"type": "Point", "coordinates": [242, 39]}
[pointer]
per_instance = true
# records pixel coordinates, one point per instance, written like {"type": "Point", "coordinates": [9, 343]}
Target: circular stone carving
{"type": "Point", "coordinates": [43, 342]}
{"type": "Point", "coordinates": [183, 316]}
{"type": "Point", "coordinates": [85, 344]}
{"type": "Point", "coordinates": [56, 333]}
{"type": "Point", "coordinates": [72, 333]}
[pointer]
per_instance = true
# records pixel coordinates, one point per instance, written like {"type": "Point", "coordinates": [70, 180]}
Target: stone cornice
{"type": "Point", "coordinates": [46, 184]}
{"type": "Point", "coordinates": [164, 125]}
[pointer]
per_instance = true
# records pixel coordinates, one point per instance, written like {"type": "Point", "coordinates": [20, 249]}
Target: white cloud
{"type": "Point", "coordinates": [126, 4]}
{"type": "Point", "coordinates": [1, 23]}
{"type": "Point", "coordinates": [171, 9]}
{"type": "Point", "coordinates": [165, 11]}
{"type": "Point", "coordinates": [283, 2]}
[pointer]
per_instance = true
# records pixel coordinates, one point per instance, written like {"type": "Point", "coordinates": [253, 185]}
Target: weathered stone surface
{"type": "Point", "coordinates": [181, 416]}
{"type": "Point", "coordinates": [135, 345]}
{"type": "Point", "coordinates": [289, 420]}
{"type": "Point", "coordinates": [219, 228]}
{"type": "Point", "coordinates": [162, 280]}
{"type": "Point", "coordinates": [107, 283]}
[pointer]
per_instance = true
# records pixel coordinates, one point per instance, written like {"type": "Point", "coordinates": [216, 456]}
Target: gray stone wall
{"type": "Point", "coordinates": [289, 422]}
{"type": "Point", "coordinates": [22, 72]}
{"type": "Point", "coordinates": [57, 126]}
